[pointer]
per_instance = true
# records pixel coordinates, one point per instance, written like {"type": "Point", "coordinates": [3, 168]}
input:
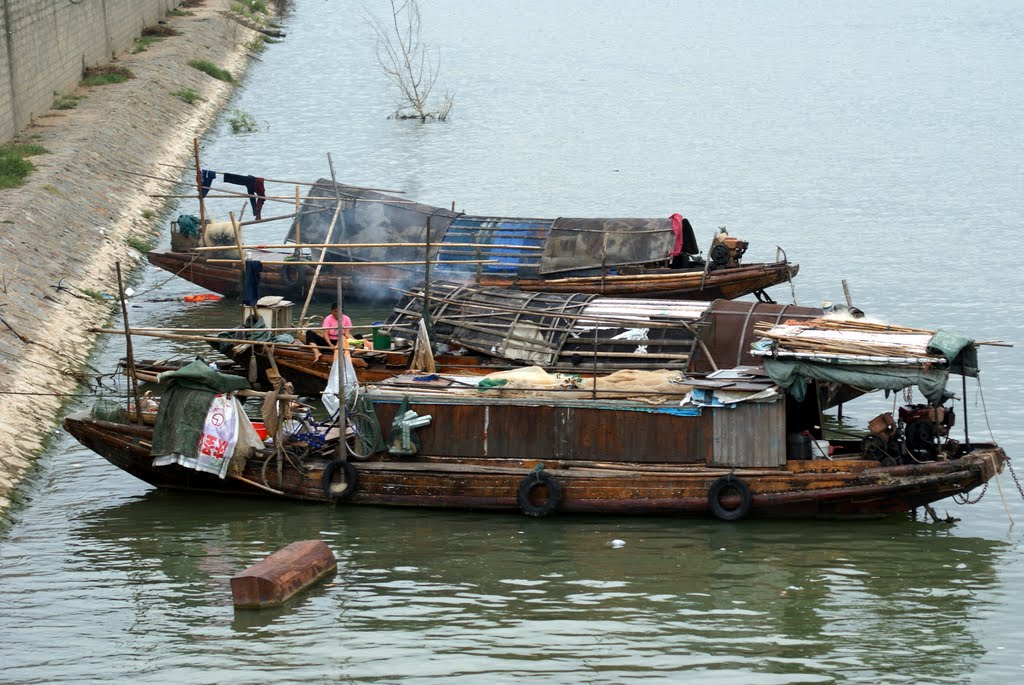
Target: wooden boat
{"type": "Point", "coordinates": [483, 330]}
{"type": "Point", "coordinates": [730, 444]}
{"type": "Point", "coordinates": [613, 257]}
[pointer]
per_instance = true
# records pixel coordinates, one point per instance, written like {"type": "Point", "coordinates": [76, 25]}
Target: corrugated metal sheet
{"type": "Point", "coordinates": [750, 434]}
{"type": "Point", "coordinates": [568, 331]}
{"type": "Point", "coordinates": [514, 246]}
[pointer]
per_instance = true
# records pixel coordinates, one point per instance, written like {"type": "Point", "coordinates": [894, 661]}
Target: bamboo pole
{"type": "Point", "coordinates": [300, 183]}
{"type": "Point", "coordinates": [340, 357]}
{"type": "Point", "coordinates": [139, 331]}
{"type": "Point", "coordinates": [199, 189]}
{"type": "Point", "coordinates": [133, 378]}
{"type": "Point", "coordinates": [303, 262]}
{"type": "Point", "coordinates": [298, 244]}
{"type": "Point", "coordinates": [316, 273]}
{"type": "Point", "coordinates": [241, 256]}
{"type": "Point", "coordinates": [298, 224]}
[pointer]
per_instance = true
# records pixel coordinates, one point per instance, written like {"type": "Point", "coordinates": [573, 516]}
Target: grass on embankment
{"type": "Point", "coordinates": [211, 69]}
{"type": "Point", "coordinates": [14, 168]}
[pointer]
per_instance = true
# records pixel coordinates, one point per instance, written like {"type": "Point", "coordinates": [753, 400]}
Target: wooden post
{"type": "Point", "coordinates": [846, 292]}
{"type": "Point", "coordinates": [133, 379]}
{"type": "Point", "coordinates": [298, 225]}
{"type": "Point", "coordinates": [341, 356]}
{"type": "Point", "coordinates": [199, 189]}
{"type": "Point", "coordinates": [316, 273]}
{"type": "Point", "coordinates": [963, 378]}
{"type": "Point", "coordinates": [241, 259]}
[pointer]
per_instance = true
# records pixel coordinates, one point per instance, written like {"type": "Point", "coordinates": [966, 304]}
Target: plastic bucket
{"type": "Point", "coordinates": [381, 340]}
{"type": "Point", "coordinates": [820, 449]}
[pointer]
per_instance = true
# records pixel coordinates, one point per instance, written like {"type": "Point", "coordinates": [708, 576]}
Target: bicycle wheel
{"type": "Point", "coordinates": [363, 436]}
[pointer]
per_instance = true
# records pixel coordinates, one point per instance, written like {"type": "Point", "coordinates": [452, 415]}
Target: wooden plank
{"type": "Point", "coordinates": [751, 434]}
{"type": "Point", "coordinates": [280, 576]}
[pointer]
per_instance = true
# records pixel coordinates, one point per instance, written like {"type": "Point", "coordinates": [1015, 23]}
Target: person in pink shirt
{"type": "Point", "coordinates": [331, 326]}
{"type": "Point", "coordinates": [328, 338]}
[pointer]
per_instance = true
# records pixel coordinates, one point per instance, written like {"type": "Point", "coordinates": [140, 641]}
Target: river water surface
{"type": "Point", "coordinates": [875, 142]}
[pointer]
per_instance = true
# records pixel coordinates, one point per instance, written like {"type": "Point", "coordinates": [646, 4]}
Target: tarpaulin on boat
{"type": "Point", "coordinates": [184, 405]}
{"type": "Point", "coordinates": [865, 355]}
{"type": "Point", "coordinates": [794, 376]}
{"type": "Point", "coordinates": [366, 216]}
{"type": "Point", "coordinates": [579, 244]}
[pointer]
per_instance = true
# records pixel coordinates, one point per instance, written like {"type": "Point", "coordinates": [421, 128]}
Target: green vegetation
{"type": "Point", "coordinates": [140, 244]}
{"type": "Point", "coordinates": [23, 149]}
{"type": "Point", "coordinates": [187, 94]}
{"type": "Point", "coordinates": [67, 101]}
{"type": "Point", "coordinates": [143, 42]}
{"type": "Point", "coordinates": [180, 13]}
{"type": "Point", "coordinates": [101, 76]}
{"type": "Point", "coordinates": [52, 189]}
{"type": "Point", "coordinates": [242, 122]}
{"type": "Point", "coordinates": [148, 214]}
{"type": "Point", "coordinates": [211, 69]}
{"type": "Point", "coordinates": [257, 44]}
{"type": "Point", "coordinates": [249, 8]}
{"type": "Point", "coordinates": [96, 295]}
{"type": "Point", "coordinates": [14, 168]}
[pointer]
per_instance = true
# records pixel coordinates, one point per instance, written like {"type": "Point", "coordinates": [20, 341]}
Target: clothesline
{"type": "Point", "coordinates": [294, 183]}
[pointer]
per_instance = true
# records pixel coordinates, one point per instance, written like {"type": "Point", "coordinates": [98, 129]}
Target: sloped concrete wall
{"type": "Point", "coordinates": [45, 45]}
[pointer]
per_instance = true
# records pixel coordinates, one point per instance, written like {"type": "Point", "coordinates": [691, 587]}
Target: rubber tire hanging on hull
{"type": "Point", "coordinates": [294, 275]}
{"type": "Point", "coordinates": [351, 479]}
{"type": "Point", "coordinates": [724, 484]}
{"type": "Point", "coordinates": [531, 483]}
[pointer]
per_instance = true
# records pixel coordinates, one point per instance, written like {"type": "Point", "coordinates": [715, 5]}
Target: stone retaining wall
{"type": "Point", "coordinates": [47, 43]}
{"type": "Point", "coordinates": [69, 223]}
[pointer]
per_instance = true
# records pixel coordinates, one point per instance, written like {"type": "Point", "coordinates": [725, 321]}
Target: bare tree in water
{"type": "Point", "coordinates": [405, 60]}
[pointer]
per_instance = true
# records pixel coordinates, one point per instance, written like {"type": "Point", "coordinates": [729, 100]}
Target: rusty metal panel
{"type": "Point", "coordinates": [527, 432]}
{"type": "Point", "coordinates": [579, 244]}
{"type": "Point", "coordinates": [750, 434]}
{"type": "Point", "coordinates": [639, 436]}
{"type": "Point", "coordinates": [455, 430]}
{"type": "Point", "coordinates": [730, 330]}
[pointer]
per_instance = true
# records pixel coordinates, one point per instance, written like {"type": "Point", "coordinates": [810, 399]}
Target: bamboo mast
{"type": "Point", "coordinates": [320, 263]}
{"type": "Point", "coordinates": [341, 359]}
{"type": "Point", "coordinates": [199, 189]}
{"type": "Point", "coordinates": [298, 225]}
{"type": "Point", "coordinates": [133, 378]}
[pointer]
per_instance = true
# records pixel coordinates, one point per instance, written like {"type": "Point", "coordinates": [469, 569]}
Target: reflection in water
{"type": "Point", "coordinates": [416, 589]}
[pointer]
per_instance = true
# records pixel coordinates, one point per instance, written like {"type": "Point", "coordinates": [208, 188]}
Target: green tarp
{"type": "Point", "coordinates": [183, 407]}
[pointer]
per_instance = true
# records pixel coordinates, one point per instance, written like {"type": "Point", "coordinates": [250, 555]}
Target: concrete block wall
{"type": "Point", "coordinates": [45, 45]}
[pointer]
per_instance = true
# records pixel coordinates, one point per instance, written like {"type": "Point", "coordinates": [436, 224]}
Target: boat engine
{"type": "Point", "coordinates": [914, 437]}
{"type": "Point", "coordinates": [924, 425]}
{"type": "Point", "coordinates": [726, 252]}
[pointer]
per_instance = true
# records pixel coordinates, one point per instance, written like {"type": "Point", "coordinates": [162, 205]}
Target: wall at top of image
{"type": "Point", "coordinates": [45, 45]}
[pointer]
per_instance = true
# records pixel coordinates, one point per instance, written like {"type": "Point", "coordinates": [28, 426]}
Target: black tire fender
{"type": "Point", "coordinates": [533, 481]}
{"type": "Point", "coordinates": [722, 485]}
{"type": "Point", "coordinates": [294, 275]}
{"type": "Point", "coordinates": [351, 480]}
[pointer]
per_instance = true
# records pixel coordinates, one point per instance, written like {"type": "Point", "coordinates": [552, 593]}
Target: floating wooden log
{"type": "Point", "coordinates": [280, 576]}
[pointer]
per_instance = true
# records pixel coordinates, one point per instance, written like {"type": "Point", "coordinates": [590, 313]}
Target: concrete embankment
{"type": "Point", "coordinates": [63, 231]}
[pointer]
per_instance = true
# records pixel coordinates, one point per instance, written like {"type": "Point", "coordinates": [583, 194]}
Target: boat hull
{"type": "Point", "coordinates": [379, 283]}
{"type": "Point", "coordinates": [844, 488]}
